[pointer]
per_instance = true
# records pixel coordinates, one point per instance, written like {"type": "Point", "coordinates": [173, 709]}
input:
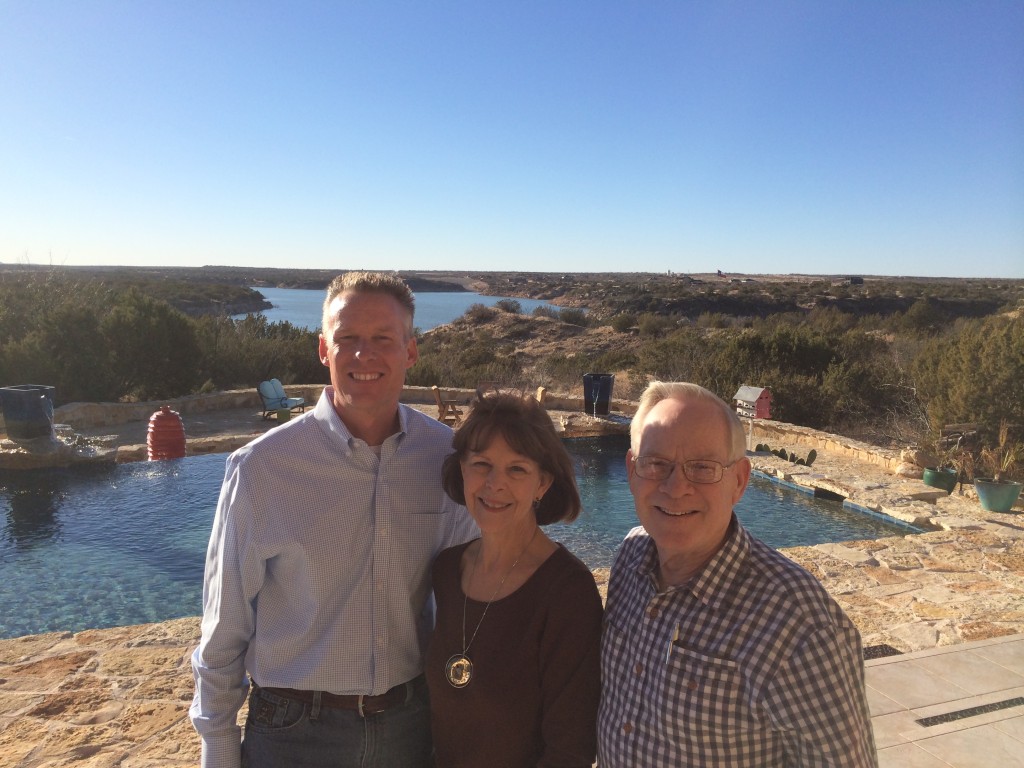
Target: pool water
{"type": "Point", "coordinates": [93, 547]}
{"type": "Point", "coordinates": [776, 514]}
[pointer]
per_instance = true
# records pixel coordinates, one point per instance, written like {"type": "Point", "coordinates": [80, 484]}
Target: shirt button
{"type": "Point", "coordinates": [639, 668]}
{"type": "Point", "coordinates": [691, 684]}
{"type": "Point", "coordinates": [627, 728]}
{"type": "Point", "coordinates": [652, 612]}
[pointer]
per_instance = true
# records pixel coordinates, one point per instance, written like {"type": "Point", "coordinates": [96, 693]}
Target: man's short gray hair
{"type": "Point", "coordinates": [684, 390]}
{"type": "Point", "coordinates": [371, 282]}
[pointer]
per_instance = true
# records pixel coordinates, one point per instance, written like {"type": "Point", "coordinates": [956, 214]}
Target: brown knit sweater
{"type": "Point", "coordinates": [533, 697]}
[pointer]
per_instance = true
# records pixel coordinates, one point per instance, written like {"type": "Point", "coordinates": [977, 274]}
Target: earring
{"type": "Point", "coordinates": [536, 503]}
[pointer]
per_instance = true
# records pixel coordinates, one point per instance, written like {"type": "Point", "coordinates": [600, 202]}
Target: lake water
{"type": "Point", "coordinates": [304, 307]}
{"type": "Point", "coordinates": [93, 547]}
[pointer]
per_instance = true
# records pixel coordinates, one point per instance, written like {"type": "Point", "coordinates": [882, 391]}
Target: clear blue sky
{"type": "Point", "coordinates": [824, 136]}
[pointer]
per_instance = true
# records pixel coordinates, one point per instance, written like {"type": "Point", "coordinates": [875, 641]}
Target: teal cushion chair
{"type": "Point", "coordinates": [274, 399]}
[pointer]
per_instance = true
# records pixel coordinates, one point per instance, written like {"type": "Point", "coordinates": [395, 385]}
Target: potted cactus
{"type": "Point", "coordinates": [999, 492]}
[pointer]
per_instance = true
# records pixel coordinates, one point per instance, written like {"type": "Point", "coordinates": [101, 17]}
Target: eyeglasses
{"type": "Point", "coordinates": [702, 471]}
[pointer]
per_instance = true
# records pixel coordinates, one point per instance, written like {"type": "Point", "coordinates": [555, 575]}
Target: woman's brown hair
{"type": "Point", "coordinates": [527, 428]}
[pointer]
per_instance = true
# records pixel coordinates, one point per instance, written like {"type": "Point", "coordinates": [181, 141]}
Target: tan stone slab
{"type": "Point", "coordinates": [884, 575]}
{"type": "Point", "coordinates": [929, 611]}
{"type": "Point", "coordinates": [982, 630]}
{"type": "Point", "coordinates": [140, 661]}
{"type": "Point", "coordinates": [1011, 561]}
{"type": "Point", "coordinates": [12, 702]}
{"type": "Point", "coordinates": [147, 719]}
{"type": "Point", "coordinates": [54, 668]}
{"type": "Point", "coordinates": [19, 739]}
{"type": "Point", "coordinates": [78, 742]}
{"type": "Point", "coordinates": [176, 746]}
{"type": "Point", "coordinates": [19, 649]}
{"type": "Point", "coordinates": [848, 554]}
{"type": "Point", "coordinates": [898, 562]}
{"type": "Point", "coordinates": [78, 707]}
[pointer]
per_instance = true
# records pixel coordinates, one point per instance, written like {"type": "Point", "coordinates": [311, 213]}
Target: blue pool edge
{"type": "Point", "coordinates": [847, 504]}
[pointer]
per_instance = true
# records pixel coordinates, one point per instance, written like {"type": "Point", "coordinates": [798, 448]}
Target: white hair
{"type": "Point", "coordinates": [684, 390]}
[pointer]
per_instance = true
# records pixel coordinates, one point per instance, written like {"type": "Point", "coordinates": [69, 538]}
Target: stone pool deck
{"type": "Point", "coordinates": [950, 601]}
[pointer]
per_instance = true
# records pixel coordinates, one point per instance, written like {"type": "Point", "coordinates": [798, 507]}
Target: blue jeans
{"type": "Point", "coordinates": [282, 733]}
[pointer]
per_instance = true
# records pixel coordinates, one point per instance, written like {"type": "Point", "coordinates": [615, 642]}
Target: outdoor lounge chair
{"type": "Point", "coordinates": [275, 399]}
{"type": "Point", "coordinates": [448, 411]}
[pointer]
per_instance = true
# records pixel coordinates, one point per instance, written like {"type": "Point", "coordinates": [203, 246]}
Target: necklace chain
{"type": "Point", "coordinates": [465, 596]}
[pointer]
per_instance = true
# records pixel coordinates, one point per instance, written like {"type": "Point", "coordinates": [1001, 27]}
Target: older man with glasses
{"type": "Point", "coordinates": [717, 650]}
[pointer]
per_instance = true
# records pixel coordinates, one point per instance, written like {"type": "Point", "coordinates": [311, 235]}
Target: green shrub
{"type": "Point", "coordinates": [623, 322]}
{"type": "Point", "coordinates": [573, 316]}
{"type": "Point", "coordinates": [509, 305]}
{"type": "Point", "coordinates": [480, 313]}
{"type": "Point", "coordinates": [974, 374]}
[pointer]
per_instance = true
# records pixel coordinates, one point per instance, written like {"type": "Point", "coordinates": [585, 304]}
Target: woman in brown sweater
{"type": "Point", "coordinates": [513, 665]}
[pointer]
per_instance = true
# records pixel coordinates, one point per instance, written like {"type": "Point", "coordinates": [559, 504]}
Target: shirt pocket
{"type": "Point", "coordinates": [707, 699]}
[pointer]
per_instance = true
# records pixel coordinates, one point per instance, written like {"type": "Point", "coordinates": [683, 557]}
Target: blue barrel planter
{"type": "Point", "coordinates": [597, 393]}
{"type": "Point", "coordinates": [997, 496]}
{"type": "Point", "coordinates": [28, 411]}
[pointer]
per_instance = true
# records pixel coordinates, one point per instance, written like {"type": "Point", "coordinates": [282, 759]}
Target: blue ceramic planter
{"type": "Point", "coordinates": [997, 497]}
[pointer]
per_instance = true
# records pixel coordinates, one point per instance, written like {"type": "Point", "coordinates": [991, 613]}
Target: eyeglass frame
{"type": "Point", "coordinates": [673, 464]}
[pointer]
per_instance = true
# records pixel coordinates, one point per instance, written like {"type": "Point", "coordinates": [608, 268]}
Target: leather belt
{"type": "Point", "coordinates": [364, 705]}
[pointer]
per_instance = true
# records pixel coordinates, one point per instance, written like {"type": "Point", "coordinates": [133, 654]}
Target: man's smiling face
{"type": "Point", "coordinates": [368, 347]}
{"type": "Point", "coordinates": [688, 521]}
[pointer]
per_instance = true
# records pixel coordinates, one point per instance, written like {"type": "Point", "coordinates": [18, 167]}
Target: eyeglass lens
{"type": "Point", "coordinates": [696, 470]}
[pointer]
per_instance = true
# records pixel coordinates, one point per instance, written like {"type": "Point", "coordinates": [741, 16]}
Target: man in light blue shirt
{"type": "Point", "coordinates": [317, 573]}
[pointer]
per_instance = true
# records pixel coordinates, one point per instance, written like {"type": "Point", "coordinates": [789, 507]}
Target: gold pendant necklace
{"type": "Point", "coordinates": [459, 669]}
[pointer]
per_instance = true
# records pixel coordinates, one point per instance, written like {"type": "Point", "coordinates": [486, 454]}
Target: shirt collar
{"type": "Point", "coordinates": [339, 433]}
{"type": "Point", "coordinates": [714, 581]}
{"type": "Point", "coordinates": [721, 573]}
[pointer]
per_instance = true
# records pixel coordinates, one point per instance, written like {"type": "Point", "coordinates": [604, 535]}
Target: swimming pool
{"type": "Point", "coordinates": [94, 547]}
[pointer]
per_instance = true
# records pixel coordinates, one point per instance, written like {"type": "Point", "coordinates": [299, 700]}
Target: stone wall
{"type": "Point", "coordinates": [88, 415]}
{"type": "Point", "coordinates": [778, 434]}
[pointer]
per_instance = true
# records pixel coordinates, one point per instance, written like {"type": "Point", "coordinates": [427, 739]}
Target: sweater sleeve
{"type": "Point", "coordinates": [570, 671]}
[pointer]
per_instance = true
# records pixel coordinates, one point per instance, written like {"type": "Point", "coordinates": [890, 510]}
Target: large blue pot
{"type": "Point", "coordinates": [997, 497]}
{"type": "Point", "coordinates": [28, 411]}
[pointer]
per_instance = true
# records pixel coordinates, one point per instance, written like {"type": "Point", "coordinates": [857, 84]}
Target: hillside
{"type": "Point", "coordinates": [534, 349]}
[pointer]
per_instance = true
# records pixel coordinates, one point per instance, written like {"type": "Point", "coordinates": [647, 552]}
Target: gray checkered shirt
{"type": "Point", "coordinates": [751, 664]}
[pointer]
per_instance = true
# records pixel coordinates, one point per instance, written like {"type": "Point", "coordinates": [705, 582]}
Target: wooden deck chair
{"type": "Point", "coordinates": [448, 411]}
{"type": "Point", "coordinates": [274, 398]}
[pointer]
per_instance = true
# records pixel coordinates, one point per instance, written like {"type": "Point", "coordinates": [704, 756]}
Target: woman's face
{"type": "Point", "coordinates": [501, 487]}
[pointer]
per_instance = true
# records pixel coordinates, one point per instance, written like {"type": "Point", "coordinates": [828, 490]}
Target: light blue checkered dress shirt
{"type": "Point", "coordinates": [318, 567]}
